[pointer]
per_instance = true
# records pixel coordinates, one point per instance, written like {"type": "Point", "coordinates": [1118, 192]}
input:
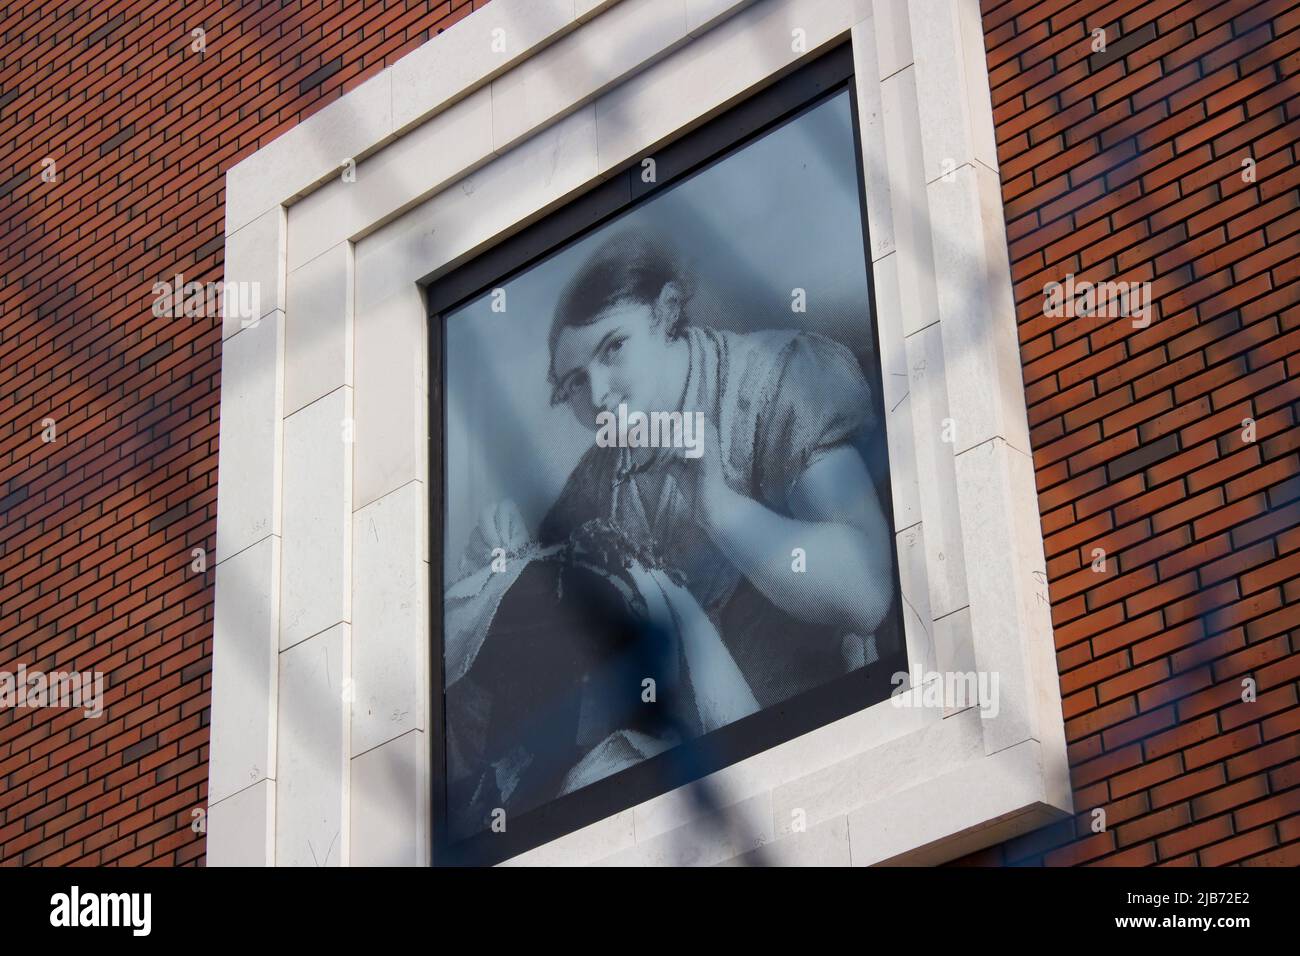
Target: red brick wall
{"type": "Point", "coordinates": [1127, 165]}
{"type": "Point", "coordinates": [96, 527]}
{"type": "Point", "coordinates": [1120, 165]}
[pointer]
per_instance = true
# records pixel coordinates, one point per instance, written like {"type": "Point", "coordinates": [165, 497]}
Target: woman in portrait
{"type": "Point", "coordinates": [772, 541]}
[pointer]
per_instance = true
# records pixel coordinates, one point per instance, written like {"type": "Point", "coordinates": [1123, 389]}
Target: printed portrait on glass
{"type": "Point", "coordinates": [666, 478]}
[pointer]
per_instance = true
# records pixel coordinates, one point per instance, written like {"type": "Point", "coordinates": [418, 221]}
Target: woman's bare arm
{"type": "Point", "coordinates": [840, 527]}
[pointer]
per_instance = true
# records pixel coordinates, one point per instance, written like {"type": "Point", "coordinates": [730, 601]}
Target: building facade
{"type": "Point", "coordinates": [1080, 235]}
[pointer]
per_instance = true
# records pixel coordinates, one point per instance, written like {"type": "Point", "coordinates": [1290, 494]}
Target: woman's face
{"type": "Point", "coordinates": [618, 359]}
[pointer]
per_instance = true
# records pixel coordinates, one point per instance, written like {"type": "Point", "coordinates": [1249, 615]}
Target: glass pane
{"type": "Point", "coordinates": [666, 477]}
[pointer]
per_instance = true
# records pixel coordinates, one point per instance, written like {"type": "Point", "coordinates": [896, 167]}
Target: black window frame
{"type": "Point", "coordinates": [788, 96]}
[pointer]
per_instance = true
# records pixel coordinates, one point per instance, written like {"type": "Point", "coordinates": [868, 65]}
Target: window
{"type": "Point", "coordinates": [666, 532]}
{"type": "Point", "coordinates": [469, 183]}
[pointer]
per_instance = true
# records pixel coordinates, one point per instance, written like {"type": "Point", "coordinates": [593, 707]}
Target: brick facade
{"type": "Point", "coordinates": [1123, 164]}
{"type": "Point", "coordinates": [98, 526]}
{"type": "Point", "coordinates": [1127, 165]}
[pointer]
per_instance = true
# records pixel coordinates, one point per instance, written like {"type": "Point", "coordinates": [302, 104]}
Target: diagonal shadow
{"type": "Point", "coordinates": [1135, 164]}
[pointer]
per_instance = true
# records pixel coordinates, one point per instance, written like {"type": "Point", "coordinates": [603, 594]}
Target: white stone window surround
{"type": "Point", "coordinates": [318, 752]}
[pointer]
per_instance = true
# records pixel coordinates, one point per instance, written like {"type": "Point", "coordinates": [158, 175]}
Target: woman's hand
{"type": "Point", "coordinates": [500, 525]}
{"type": "Point", "coordinates": [503, 526]}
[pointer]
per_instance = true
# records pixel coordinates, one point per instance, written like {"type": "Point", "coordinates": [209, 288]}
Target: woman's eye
{"type": "Point", "coordinates": [613, 347]}
{"type": "Point", "coordinates": [571, 386]}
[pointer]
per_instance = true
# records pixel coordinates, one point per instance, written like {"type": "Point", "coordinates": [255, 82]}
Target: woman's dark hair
{"type": "Point", "coordinates": [628, 267]}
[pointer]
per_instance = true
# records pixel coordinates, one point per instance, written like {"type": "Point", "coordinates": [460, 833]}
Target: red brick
{"type": "Point", "coordinates": [79, 547]}
{"type": "Point", "coordinates": [1186, 635]}
{"type": "Point", "coordinates": [1283, 856]}
{"type": "Point", "coordinates": [1248, 844]}
{"type": "Point", "coordinates": [1114, 637]}
{"type": "Point", "coordinates": [1281, 725]}
{"type": "Point", "coordinates": [1153, 824]}
{"type": "Point", "coordinates": [1194, 837]}
{"type": "Point", "coordinates": [1148, 775]}
{"type": "Point", "coordinates": [1262, 758]}
{"type": "Point", "coordinates": [1221, 747]}
{"type": "Point", "coordinates": [1107, 766]}
{"type": "Point", "coordinates": [1082, 850]}
{"type": "Point", "coordinates": [1226, 798]}
{"type": "Point", "coordinates": [1124, 171]}
{"type": "Point", "coordinates": [1186, 786]}
{"type": "Point", "coordinates": [1266, 811]}
{"type": "Point", "coordinates": [1135, 679]}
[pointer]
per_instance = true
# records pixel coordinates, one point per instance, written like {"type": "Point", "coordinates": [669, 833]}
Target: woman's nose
{"type": "Point", "coordinates": [600, 397]}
